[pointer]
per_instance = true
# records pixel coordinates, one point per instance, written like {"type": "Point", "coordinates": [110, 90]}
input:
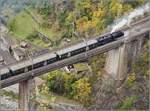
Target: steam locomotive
{"type": "Point", "coordinates": [50, 58]}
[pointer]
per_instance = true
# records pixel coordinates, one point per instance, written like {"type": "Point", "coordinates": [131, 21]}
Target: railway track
{"type": "Point", "coordinates": [124, 29]}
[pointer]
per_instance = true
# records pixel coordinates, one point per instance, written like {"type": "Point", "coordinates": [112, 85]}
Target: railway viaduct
{"type": "Point", "coordinates": [116, 66]}
{"type": "Point", "coordinates": [119, 59]}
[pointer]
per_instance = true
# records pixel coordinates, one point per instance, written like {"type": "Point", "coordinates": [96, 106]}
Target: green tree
{"type": "Point", "coordinates": [60, 82]}
{"type": "Point", "coordinates": [56, 82]}
{"type": "Point", "coordinates": [141, 67]}
{"type": "Point", "coordinates": [12, 25]}
{"type": "Point", "coordinates": [81, 91]}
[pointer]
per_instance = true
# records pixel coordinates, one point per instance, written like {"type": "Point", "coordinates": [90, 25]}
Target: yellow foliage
{"type": "Point", "coordinates": [87, 4]}
{"type": "Point", "coordinates": [116, 8]}
{"type": "Point", "coordinates": [98, 14]}
{"type": "Point", "coordinates": [147, 73]}
{"type": "Point", "coordinates": [82, 91]}
{"type": "Point", "coordinates": [141, 1]}
{"type": "Point", "coordinates": [127, 8]}
{"type": "Point", "coordinates": [132, 77]}
{"type": "Point", "coordinates": [96, 18]}
{"type": "Point", "coordinates": [82, 24]}
{"type": "Point", "coordinates": [95, 22]}
{"type": "Point", "coordinates": [71, 17]}
{"type": "Point", "coordinates": [44, 89]}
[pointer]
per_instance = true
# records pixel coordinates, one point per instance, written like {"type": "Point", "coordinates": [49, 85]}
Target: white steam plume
{"type": "Point", "coordinates": [126, 20]}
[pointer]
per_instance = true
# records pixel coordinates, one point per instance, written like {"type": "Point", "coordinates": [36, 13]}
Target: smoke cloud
{"type": "Point", "coordinates": [126, 20]}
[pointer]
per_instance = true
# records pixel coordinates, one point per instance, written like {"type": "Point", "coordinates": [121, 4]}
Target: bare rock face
{"type": "Point", "coordinates": [105, 97]}
{"type": "Point", "coordinates": [7, 104]}
{"type": "Point", "coordinates": [109, 97]}
{"type": "Point", "coordinates": [139, 105]}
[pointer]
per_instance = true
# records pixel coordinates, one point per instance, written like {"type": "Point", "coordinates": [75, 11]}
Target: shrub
{"type": "Point", "coordinates": [127, 103]}
{"type": "Point", "coordinates": [81, 91]}
{"type": "Point", "coordinates": [60, 82]}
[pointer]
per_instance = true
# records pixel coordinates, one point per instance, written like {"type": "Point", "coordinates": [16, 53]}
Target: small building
{"type": "Point", "coordinates": [69, 69]}
{"type": "Point", "coordinates": [24, 44]}
{"type": "Point", "coordinates": [80, 67]}
{"type": "Point", "coordinates": [76, 68]}
{"type": "Point", "coordinates": [18, 54]}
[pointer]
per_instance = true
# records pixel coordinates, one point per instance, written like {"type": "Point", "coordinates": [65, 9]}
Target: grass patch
{"type": "Point", "coordinates": [81, 67]}
{"type": "Point", "coordinates": [10, 94]}
{"type": "Point", "coordinates": [130, 80]}
{"type": "Point", "coordinates": [127, 103]}
{"type": "Point", "coordinates": [24, 24]}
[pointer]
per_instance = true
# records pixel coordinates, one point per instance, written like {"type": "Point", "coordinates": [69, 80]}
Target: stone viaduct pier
{"type": "Point", "coordinates": [119, 59]}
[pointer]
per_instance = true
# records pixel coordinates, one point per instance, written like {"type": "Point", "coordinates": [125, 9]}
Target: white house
{"type": "Point", "coordinates": [18, 54]}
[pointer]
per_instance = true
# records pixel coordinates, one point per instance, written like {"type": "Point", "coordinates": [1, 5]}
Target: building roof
{"type": "Point", "coordinates": [24, 44]}
{"type": "Point", "coordinates": [19, 52]}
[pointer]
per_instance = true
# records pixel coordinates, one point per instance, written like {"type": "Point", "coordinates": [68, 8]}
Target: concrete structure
{"type": "Point", "coordinates": [27, 95]}
{"type": "Point", "coordinates": [116, 62]}
{"type": "Point", "coordinates": [119, 60]}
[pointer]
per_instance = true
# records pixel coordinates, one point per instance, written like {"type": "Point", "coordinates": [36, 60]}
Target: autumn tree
{"type": "Point", "coordinates": [81, 91]}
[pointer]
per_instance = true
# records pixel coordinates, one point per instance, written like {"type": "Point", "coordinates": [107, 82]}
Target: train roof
{"type": "Point", "coordinates": [75, 47]}
{"type": "Point", "coordinates": [45, 57]}
{"type": "Point", "coordinates": [28, 62]}
{"type": "Point", "coordinates": [33, 61]}
{"type": "Point", "coordinates": [4, 70]}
